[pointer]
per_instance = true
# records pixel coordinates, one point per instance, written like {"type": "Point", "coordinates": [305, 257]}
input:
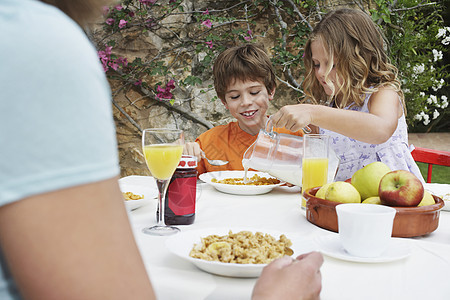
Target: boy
{"type": "Point", "coordinates": [245, 82]}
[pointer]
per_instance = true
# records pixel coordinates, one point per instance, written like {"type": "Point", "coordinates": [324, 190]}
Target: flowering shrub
{"type": "Point", "coordinates": [418, 40]}
{"type": "Point", "coordinates": [191, 40]}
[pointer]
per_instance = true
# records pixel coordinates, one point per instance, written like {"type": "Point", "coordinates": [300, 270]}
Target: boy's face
{"type": "Point", "coordinates": [248, 101]}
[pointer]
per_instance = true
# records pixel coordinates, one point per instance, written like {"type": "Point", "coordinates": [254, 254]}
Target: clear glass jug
{"type": "Point", "coordinates": [281, 156]}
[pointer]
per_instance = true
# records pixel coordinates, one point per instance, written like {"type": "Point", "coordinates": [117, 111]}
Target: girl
{"type": "Point", "coordinates": [346, 65]}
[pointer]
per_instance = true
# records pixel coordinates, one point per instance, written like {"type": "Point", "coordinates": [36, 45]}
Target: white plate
{"type": "Point", "coordinates": [181, 245]}
{"type": "Point", "coordinates": [238, 189]}
{"type": "Point", "coordinates": [440, 190]}
{"type": "Point", "coordinates": [331, 246]}
{"type": "Point", "coordinates": [149, 193]}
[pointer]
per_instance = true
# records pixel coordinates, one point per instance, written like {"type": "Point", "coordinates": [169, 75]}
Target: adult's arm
{"type": "Point", "coordinates": [74, 243]}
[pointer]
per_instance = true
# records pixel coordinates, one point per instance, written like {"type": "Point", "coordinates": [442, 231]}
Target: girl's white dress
{"type": "Point", "coordinates": [354, 155]}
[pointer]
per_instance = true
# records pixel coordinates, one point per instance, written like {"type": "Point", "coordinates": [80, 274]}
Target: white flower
{"type": "Point", "coordinates": [446, 41]}
{"type": "Point", "coordinates": [444, 104]}
{"type": "Point", "coordinates": [444, 98]}
{"type": "Point", "coordinates": [419, 68]}
{"type": "Point", "coordinates": [418, 117]}
{"type": "Point", "coordinates": [422, 94]}
{"type": "Point", "coordinates": [429, 101]}
{"type": "Point", "coordinates": [441, 32]}
{"type": "Point", "coordinates": [435, 114]}
{"type": "Point", "coordinates": [437, 54]}
{"type": "Point", "coordinates": [426, 122]}
{"type": "Point", "coordinates": [438, 86]}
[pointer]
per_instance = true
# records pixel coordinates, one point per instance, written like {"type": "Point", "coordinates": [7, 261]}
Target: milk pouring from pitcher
{"type": "Point", "coordinates": [278, 154]}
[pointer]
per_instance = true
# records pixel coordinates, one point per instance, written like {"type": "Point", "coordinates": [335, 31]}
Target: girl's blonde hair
{"type": "Point", "coordinates": [355, 48]}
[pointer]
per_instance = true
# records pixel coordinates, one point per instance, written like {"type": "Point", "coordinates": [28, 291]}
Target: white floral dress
{"type": "Point", "coordinates": [354, 155]}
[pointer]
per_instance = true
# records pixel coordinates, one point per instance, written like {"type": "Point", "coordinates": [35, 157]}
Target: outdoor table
{"type": "Point", "coordinates": [422, 275]}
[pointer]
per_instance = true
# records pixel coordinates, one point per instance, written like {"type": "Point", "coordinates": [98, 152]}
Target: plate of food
{"type": "Point", "coordinates": [136, 196]}
{"type": "Point", "coordinates": [233, 252]}
{"type": "Point", "coordinates": [232, 182]}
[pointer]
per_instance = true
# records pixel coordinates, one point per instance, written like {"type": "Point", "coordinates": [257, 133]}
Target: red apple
{"type": "Point", "coordinates": [400, 188]}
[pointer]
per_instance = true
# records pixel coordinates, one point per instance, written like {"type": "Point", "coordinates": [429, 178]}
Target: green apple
{"type": "Point", "coordinates": [367, 179]}
{"type": "Point", "coordinates": [322, 191]}
{"type": "Point", "coordinates": [372, 200]}
{"type": "Point", "coordinates": [400, 188]}
{"type": "Point", "coordinates": [427, 199]}
{"type": "Point", "coordinates": [343, 192]}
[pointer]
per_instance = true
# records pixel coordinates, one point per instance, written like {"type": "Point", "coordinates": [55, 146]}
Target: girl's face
{"type": "Point", "coordinates": [248, 101]}
{"type": "Point", "coordinates": [320, 62]}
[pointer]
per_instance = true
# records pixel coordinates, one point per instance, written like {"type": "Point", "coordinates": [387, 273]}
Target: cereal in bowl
{"type": "Point", "coordinates": [131, 196]}
{"type": "Point", "coordinates": [243, 247]}
{"type": "Point", "coordinates": [254, 180]}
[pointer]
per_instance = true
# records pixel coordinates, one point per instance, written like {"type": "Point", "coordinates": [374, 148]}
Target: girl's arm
{"type": "Point", "coordinates": [375, 127]}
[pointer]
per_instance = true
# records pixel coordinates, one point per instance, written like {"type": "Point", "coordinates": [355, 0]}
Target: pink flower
{"type": "Point", "coordinates": [122, 23]}
{"type": "Point", "coordinates": [139, 82]}
{"type": "Point", "coordinates": [105, 10]}
{"type": "Point", "coordinates": [160, 89]}
{"type": "Point", "coordinates": [210, 44]}
{"type": "Point", "coordinates": [207, 23]}
{"type": "Point", "coordinates": [249, 37]}
{"type": "Point", "coordinates": [165, 95]}
{"type": "Point", "coordinates": [118, 7]}
{"type": "Point", "coordinates": [114, 65]}
{"type": "Point", "coordinates": [206, 12]}
{"type": "Point", "coordinates": [109, 21]}
{"type": "Point", "coordinates": [170, 85]}
{"type": "Point", "coordinates": [123, 61]}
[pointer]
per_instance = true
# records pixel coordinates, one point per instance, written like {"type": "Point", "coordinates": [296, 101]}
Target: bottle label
{"type": "Point", "coordinates": [181, 194]}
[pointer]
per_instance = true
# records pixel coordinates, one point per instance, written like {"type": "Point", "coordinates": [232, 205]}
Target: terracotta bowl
{"type": "Point", "coordinates": [408, 222]}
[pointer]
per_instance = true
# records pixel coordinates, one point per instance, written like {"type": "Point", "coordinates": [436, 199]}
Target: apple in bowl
{"type": "Point", "coordinates": [401, 189]}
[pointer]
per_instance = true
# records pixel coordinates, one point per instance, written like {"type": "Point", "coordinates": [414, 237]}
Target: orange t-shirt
{"type": "Point", "coordinates": [228, 142]}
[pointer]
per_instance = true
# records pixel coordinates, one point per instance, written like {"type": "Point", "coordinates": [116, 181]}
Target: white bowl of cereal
{"type": "Point", "coordinates": [231, 182]}
{"type": "Point", "coordinates": [136, 196]}
{"type": "Point", "coordinates": [255, 243]}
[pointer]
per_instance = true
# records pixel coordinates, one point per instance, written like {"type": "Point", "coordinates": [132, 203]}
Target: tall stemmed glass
{"type": "Point", "coordinates": [162, 149]}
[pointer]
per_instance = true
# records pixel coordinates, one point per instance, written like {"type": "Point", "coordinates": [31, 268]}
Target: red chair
{"type": "Point", "coordinates": [431, 157]}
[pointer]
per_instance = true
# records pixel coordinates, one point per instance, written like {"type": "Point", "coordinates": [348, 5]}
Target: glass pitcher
{"type": "Point", "coordinates": [278, 154]}
{"type": "Point", "coordinates": [281, 155]}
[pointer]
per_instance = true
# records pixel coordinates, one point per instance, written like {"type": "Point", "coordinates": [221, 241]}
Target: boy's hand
{"type": "Point", "coordinates": [192, 148]}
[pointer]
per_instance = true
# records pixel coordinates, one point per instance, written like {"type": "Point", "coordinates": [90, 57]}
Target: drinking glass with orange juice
{"type": "Point", "coordinates": [162, 149]}
{"type": "Point", "coordinates": [315, 162]}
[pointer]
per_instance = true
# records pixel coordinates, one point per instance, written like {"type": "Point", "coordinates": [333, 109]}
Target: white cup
{"type": "Point", "coordinates": [365, 230]}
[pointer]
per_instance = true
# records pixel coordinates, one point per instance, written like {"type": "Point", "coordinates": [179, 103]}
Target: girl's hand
{"type": "Point", "coordinates": [293, 117]}
{"type": "Point", "coordinates": [192, 148]}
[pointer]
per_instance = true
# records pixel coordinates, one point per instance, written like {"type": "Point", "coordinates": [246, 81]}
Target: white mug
{"type": "Point", "coordinates": [365, 230]}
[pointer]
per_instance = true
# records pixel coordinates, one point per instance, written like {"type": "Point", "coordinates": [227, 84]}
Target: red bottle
{"type": "Point", "coordinates": [181, 193]}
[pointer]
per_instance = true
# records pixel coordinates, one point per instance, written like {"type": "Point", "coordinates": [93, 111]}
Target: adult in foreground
{"type": "Point", "coordinates": [64, 230]}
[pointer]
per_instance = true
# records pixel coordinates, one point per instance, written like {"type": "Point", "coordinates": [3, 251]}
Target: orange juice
{"type": "Point", "coordinates": [163, 159]}
{"type": "Point", "coordinates": [315, 173]}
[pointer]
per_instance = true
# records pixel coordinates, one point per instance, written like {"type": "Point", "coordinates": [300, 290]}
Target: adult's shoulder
{"type": "Point", "coordinates": [36, 35]}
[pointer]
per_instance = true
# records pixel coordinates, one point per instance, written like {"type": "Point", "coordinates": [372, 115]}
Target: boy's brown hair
{"type": "Point", "coordinates": [246, 62]}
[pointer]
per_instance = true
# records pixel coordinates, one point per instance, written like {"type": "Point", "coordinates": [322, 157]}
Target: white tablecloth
{"type": "Point", "coordinates": [422, 275]}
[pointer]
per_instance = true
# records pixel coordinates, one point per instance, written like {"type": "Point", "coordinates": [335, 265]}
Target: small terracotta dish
{"type": "Point", "coordinates": [408, 221]}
